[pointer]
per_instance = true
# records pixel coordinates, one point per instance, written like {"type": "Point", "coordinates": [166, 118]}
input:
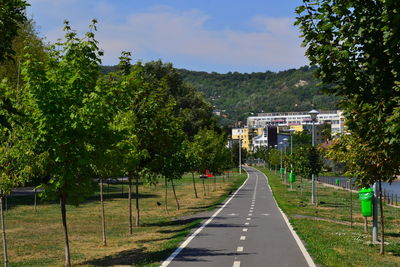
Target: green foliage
{"type": "Point", "coordinates": [59, 90]}
{"type": "Point", "coordinates": [306, 161]}
{"type": "Point", "coordinates": [262, 153]}
{"type": "Point", "coordinates": [302, 138]}
{"type": "Point", "coordinates": [12, 15]}
{"type": "Point", "coordinates": [190, 105]}
{"type": "Point", "coordinates": [241, 94]}
{"type": "Point", "coordinates": [210, 152]}
{"type": "Point", "coordinates": [275, 157]}
{"type": "Point", "coordinates": [356, 46]}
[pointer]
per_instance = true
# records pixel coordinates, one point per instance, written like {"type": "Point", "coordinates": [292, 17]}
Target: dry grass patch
{"type": "Point", "coordinates": [36, 238]}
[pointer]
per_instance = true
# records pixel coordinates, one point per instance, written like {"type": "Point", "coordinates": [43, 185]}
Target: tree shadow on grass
{"type": "Point", "coordinates": [332, 204]}
{"type": "Point", "coordinates": [392, 234]}
{"type": "Point", "coordinates": [175, 222]}
{"type": "Point", "coordinates": [109, 196]}
{"type": "Point", "coordinates": [130, 257]}
{"type": "Point", "coordinates": [140, 256]}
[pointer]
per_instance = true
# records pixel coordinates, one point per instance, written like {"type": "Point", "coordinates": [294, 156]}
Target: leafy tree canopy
{"type": "Point", "coordinates": [356, 45]}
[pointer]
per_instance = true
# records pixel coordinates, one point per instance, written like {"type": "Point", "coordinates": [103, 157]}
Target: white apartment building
{"type": "Point", "coordinates": [335, 118]}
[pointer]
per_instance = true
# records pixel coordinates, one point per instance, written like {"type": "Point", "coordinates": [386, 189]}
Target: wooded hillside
{"type": "Point", "coordinates": [242, 94]}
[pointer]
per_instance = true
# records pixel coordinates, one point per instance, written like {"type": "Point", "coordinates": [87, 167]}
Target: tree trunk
{"type": "Point", "coordinates": [365, 224]}
{"type": "Point", "coordinates": [351, 205]}
{"type": "Point", "coordinates": [166, 194]}
{"type": "Point", "coordinates": [35, 198]}
{"type": "Point", "coordinates": [194, 185]}
{"type": "Point", "coordinates": [215, 183]}
{"type": "Point", "coordinates": [130, 203]}
{"type": "Point", "coordinates": [137, 201]}
{"type": "Point", "coordinates": [301, 185]}
{"type": "Point", "coordinates": [103, 219]}
{"type": "Point", "coordinates": [173, 189]}
{"type": "Point", "coordinates": [3, 230]}
{"type": "Point", "coordinates": [204, 187]}
{"type": "Point", "coordinates": [382, 250]}
{"type": "Point", "coordinates": [64, 222]}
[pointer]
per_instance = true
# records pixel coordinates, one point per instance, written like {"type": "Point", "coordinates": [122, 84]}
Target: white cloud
{"type": "Point", "coordinates": [162, 32]}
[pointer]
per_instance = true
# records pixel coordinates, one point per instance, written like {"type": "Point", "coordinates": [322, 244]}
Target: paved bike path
{"type": "Point", "coordinates": [248, 231]}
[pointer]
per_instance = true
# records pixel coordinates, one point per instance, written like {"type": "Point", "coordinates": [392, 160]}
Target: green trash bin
{"type": "Point", "coordinates": [282, 170]}
{"type": "Point", "coordinates": [366, 195]}
{"type": "Point", "coordinates": [292, 177]}
{"type": "Point", "coordinates": [337, 182]}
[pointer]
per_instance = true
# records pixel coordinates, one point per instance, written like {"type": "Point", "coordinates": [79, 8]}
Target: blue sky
{"type": "Point", "coordinates": [204, 35]}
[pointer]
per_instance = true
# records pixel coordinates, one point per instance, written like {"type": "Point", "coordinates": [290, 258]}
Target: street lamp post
{"type": "Point", "coordinates": [291, 130]}
{"type": "Point", "coordinates": [313, 114]}
{"type": "Point", "coordinates": [276, 147]}
{"type": "Point", "coordinates": [240, 155]}
{"type": "Point", "coordinates": [280, 170]}
{"type": "Point", "coordinates": [285, 141]}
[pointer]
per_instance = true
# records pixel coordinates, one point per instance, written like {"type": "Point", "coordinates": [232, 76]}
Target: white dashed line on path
{"type": "Point", "coordinates": [236, 264]}
{"type": "Point", "coordinates": [239, 249]}
{"type": "Point", "coordinates": [244, 229]}
{"type": "Point", "coordinates": [243, 237]}
{"type": "Point", "coordinates": [248, 219]}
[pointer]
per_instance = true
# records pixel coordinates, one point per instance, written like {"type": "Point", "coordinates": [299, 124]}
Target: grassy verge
{"type": "Point", "coordinates": [326, 228]}
{"type": "Point", "coordinates": [36, 238]}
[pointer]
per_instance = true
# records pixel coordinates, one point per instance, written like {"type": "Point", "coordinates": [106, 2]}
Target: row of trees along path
{"type": "Point", "coordinates": [67, 126]}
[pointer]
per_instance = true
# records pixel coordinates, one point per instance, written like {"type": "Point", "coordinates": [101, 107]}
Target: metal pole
{"type": "Point", "coordinates": [240, 155]}
{"type": "Point", "coordinates": [313, 175]}
{"type": "Point", "coordinates": [285, 164]}
{"type": "Point", "coordinates": [291, 144]}
{"type": "Point", "coordinates": [375, 214]}
{"type": "Point", "coordinates": [281, 164]}
{"type": "Point", "coordinates": [291, 162]}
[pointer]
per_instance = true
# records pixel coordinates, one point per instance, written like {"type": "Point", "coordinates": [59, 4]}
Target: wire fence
{"type": "Point", "coordinates": [388, 196]}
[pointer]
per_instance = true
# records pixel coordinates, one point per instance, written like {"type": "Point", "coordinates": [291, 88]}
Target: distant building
{"type": "Point", "coordinates": [298, 120]}
{"type": "Point", "coordinates": [267, 138]}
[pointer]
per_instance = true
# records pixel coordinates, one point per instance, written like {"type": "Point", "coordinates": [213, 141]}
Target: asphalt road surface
{"type": "Point", "coordinates": [249, 230]}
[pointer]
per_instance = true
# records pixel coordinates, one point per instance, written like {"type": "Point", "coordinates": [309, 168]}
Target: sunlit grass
{"type": "Point", "coordinates": [326, 228]}
{"type": "Point", "coordinates": [36, 238]}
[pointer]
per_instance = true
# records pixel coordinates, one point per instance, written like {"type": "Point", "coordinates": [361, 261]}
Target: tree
{"type": "Point", "coordinates": [274, 157]}
{"type": "Point", "coordinates": [17, 162]}
{"type": "Point", "coordinates": [59, 90]}
{"type": "Point", "coordinates": [12, 16]}
{"type": "Point", "coordinates": [355, 44]}
{"type": "Point", "coordinates": [192, 161]}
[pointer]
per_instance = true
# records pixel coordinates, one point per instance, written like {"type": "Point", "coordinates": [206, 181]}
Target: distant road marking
{"type": "Point", "coordinates": [266, 214]}
{"type": "Point", "coordinates": [250, 214]}
{"type": "Point", "coordinates": [239, 249]}
{"type": "Point", "coordinates": [246, 223]}
{"type": "Point", "coordinates": [232, 214]}
{"type": "Point", "coordinates": [236, 264]}
{"type": "Point", "coordinates": [244, 229]}
{"type": "Point", "coordinates": [243, 237]}
{"type": "Point", "coordinates": [248, 219]}
{"type": "Point", "coordinates": [193, 235]}
{"type": "Point", "coordinates": [296, 237]}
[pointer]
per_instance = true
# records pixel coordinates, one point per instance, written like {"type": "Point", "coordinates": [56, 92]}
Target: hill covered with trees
{"type": "Point", "coordinates": [243, 94]}
{"type": "Point", "coordinates": [239, 95]}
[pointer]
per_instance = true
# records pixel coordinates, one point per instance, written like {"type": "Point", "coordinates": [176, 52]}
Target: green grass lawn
{"type": "Point", "coordinates": [36, 238]}
{"type": "Point", "coordinates": [326, 230]}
